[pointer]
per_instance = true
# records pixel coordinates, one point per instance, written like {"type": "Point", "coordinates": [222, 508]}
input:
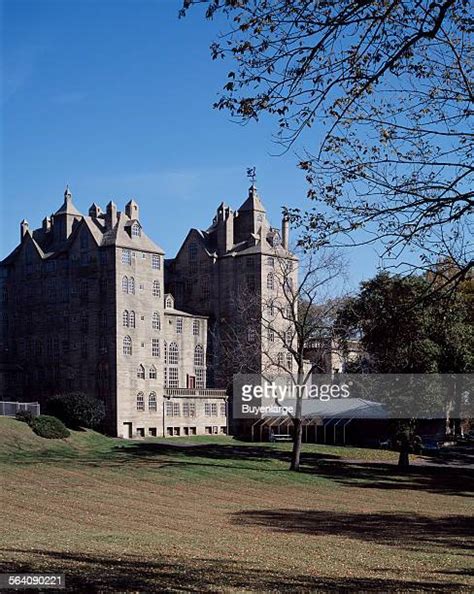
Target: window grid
{"type": "Point", "coordinates": [155, 347]}
{"type": "Point", "coordinates": [127, 345]}
{"type": "Point", "coordinates": [173, 354]}
{"type": "Point", "coordinates": [152, 405]}
{"type": "Point", "coordinates": [155, 262]}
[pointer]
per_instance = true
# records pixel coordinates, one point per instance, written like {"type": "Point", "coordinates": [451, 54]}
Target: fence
{"type": "Point", "coordinates": [9, 409]}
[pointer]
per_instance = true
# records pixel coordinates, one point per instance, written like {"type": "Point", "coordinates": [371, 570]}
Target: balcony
{"type": "Point", "coordinates": [195, 392]}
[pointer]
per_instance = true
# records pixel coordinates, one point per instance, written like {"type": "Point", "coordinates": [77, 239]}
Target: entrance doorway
{"type": "Point", "coordinates": [127, 431]}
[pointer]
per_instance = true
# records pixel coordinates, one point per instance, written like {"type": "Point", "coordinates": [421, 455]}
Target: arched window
{"type": "Point", "coordinates": [289, 337]}
{"type": "Point", "coordinates": [270, 262]}
{"type": "Point", "coordinates": [173, 354]}
{"type": "Point", "coordinates": [132, 319]}
{"type": "Point", "coordinates": [289, 361]}
{"type": "Point", "coordinates": [198, 356]}
{"type": "Point", "coordinates": [270, 281]}
{"type": "Point", "coordinates": [124, 284]}
{"type": "Point", "coordinates": [127, 345]}
{"type": "Point", "coordinates": [271, 335]}
{"type": "Point", "coordinates": [152, 372]}
{"type": "Point", "coordinates": [281, 359]}
{"type": "Point", "coordinates": [136, 231]}
{"type": "Point", "coordinates": [125, 318]}
{"type": "Point", "coordinates": [140, 401]}
{"type": "Point", "coordinates": [152, 402]}
{"type": "Point", "coordinates": [131, 285]}
{"type": "Point", "coordinates": [156, 288]}
{"type": "Point", "coordinates": [141, 372]}
{"type": "Point", "coordinates": [155, 321]}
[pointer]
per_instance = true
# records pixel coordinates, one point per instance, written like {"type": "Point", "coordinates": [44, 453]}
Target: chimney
{"type": "Point", "coordinates": [285, 231]}
{"type": "Point", "coordinates": [46, 224]}
{"type": "Point", "coordinates": [111, 215]}
{"type": "Point", "coordinates": [94, 211]}
{"type": "Point", "coordinates": [229, 230]}
{"type": "Point", "coordinates": [24, 228]}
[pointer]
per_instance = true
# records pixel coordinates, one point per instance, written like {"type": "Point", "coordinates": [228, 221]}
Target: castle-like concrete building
{"type": "Point", "coordinates": [89, 304]}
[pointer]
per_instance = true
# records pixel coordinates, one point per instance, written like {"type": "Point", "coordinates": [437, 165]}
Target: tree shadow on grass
{"type": "Point", "coordinates": [408, 530]}
{"type": "Point", "coordinates": [367, 475]}
{"type": "Point", "coordinates": [93, 573]}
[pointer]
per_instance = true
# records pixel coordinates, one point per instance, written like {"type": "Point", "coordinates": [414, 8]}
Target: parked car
{"type": "Point", "coordinates": [430, 446]}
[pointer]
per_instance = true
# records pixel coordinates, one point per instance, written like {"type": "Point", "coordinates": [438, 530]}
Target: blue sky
{"type": "Point", "coordinates": [115, 99]}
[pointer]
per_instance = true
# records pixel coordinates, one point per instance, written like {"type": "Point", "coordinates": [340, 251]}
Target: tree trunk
{"type": "Point", "coordinates": [296, 452]}
{"type": "Point", "coordinates": [404, 458]}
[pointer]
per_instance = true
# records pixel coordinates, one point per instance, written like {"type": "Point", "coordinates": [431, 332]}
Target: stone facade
{"type": "Point", "coordinates": [83, 309]}
{"type": "Point", "coordinates": [89, 304]}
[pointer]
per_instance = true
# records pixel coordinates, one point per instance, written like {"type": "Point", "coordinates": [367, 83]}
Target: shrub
{"type": "Point", "coordinates": [49, 427]}
{"type": "Point", "coordinates": [76, 410]}
{"type": "Point", "coordinates": [25, 416]}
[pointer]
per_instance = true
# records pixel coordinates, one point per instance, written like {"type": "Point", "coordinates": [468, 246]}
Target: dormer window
{"type": "Point", "coordinates": [169, 302]}
{"type": "Point", "coordinates": [136, 230]}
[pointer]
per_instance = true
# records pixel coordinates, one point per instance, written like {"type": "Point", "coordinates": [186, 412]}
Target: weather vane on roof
{"type": "Point", "coordinates": [252, 174]}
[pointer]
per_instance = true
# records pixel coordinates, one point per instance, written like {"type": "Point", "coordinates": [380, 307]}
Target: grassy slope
{"type": "Point", "coordinates": [209, 514]}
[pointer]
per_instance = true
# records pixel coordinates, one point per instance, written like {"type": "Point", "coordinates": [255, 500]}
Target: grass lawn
{"type": "Point", "coordinates": [215, 514]}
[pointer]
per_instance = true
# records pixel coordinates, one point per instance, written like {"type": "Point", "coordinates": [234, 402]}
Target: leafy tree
{"type": "Point", "coordinates": [77, 410]}
{"type": "Point", "coordinates": [402, 332]}
{"type": "Point", "coordinates": [386, 88]}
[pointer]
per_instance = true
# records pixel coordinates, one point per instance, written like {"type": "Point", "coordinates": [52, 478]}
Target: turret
{"type": "Point", "coordinates": [132, 210]}
{"type": "Point", "coordinates": [94, 211]}
{"type": "Point", "coordinates": [250, 217]}
{"type": "Point", "coordinates": [224, 222]}
{"type": "Point", "coordinates": [24, 228]}
{"type": "Point", "coordinates": [46, 224]}
{"type": "Point", "coordinates": [111, 215]}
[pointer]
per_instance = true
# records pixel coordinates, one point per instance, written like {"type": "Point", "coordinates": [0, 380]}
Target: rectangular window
{"type": "Point", "coordinates": [179, 325]}
{"type": "Point", "coordinates": [169, 431]}
{"type": "Point", "coordinates": [196, 327]}
{"type": "Point", "coordinates": [223, 408]}
{"type": "Point", "coordinates": [152, 431]}
{"type": "Point", "coordinates": [155, 347]}
{"type": "Point", "coordinates": [155, 262]}
{"type": "Point", "coordinates": [189, 409]}
{"type": "Point", "coordinates": [173, 381]}
{"type": "Point", "coordinates": [200, 378]}
{"type": "Point", "coordinates": [210, 409]}
{"type": "Point", "coordinates": [176, 411]}
{"type": "Point", "coordinates": [126, 256]}
{"type": "Point", "coordinates": [169, 409]}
